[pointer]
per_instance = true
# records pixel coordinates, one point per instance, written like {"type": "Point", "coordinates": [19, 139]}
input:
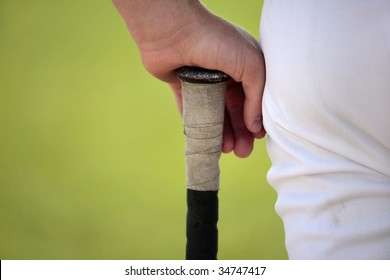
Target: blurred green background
{"type": "Point", "coordinates": [91, 145]}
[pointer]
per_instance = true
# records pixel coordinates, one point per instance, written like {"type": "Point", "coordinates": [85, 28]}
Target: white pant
{"type": "Point", "coordinates": [327, 114]}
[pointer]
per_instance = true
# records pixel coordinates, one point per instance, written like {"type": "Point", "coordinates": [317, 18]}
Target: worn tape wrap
{"type": "Point", "coordinates": [203, 114]}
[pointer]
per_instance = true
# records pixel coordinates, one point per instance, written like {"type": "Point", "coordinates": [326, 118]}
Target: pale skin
{"type": "Point", "coordinates": [175, 33]}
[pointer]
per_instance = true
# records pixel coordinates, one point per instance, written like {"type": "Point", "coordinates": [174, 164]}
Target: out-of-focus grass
{"type": "Point", "coordinates": [91, 146]}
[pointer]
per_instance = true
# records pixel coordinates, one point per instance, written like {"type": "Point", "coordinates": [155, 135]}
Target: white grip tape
{"type": "Point", "coordinates": [203, 115]}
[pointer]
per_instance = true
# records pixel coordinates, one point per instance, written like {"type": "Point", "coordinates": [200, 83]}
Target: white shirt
{"type": "Point", "coordinates": [326, 110]}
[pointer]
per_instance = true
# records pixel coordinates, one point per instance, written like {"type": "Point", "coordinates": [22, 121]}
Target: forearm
{"type": "Point", "coordinates": [157, 22]}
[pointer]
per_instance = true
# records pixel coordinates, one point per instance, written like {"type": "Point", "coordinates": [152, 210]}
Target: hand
{"type": "Point", "coordinates": [182, 32]}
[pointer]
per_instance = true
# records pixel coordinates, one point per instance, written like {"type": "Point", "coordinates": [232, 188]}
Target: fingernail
{"type": "Point", "coordinates": [257, 126]}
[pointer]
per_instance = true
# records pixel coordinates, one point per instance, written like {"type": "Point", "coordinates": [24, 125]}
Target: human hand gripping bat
{"type": "Point", "coordinates": [177, 33]}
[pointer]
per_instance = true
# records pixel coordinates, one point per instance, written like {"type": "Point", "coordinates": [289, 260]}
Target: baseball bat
{"type": "Point", "coordinates": [203, 95]}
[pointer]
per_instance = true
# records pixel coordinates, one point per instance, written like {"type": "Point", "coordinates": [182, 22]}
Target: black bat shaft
{"type": "Point", "coordinates": [202, 219]}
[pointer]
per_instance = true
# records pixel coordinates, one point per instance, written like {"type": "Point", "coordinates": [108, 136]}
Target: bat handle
{"type": "Point", "coordinates": [203, 108]}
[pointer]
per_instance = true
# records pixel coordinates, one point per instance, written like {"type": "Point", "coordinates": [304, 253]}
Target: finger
{"type": "Point", "coordinates": [243, 138]}
{"type": "Point", "coordinates": [228, 136]}
{"type": "Point", "coordinates": [176, 88]}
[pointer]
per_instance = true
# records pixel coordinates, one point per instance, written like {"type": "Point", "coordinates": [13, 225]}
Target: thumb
{"type": "Point", "coordinates": [253, 80]}
{"type": "Point", "coordinates": [246, 65]}
{"type": "Point", "coordinates": [250, 71]}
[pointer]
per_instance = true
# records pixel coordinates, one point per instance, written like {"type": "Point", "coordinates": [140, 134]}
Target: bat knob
{"type": "Point", "coordinates": [197, 75]}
